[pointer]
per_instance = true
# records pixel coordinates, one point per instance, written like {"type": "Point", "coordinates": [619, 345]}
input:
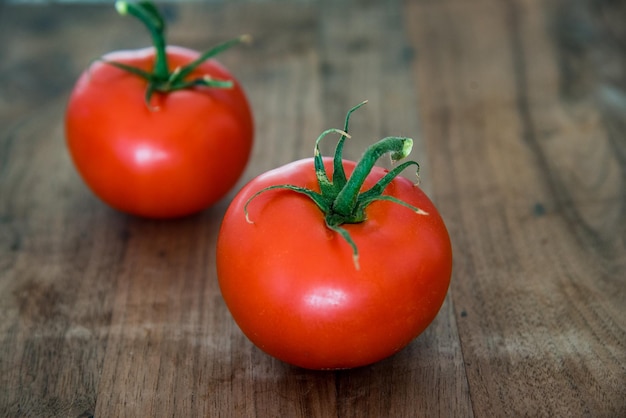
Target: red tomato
{"type": "Point", "coordinates": [291, 283]}
{"type": "Point", "coordinates": [174, 156]}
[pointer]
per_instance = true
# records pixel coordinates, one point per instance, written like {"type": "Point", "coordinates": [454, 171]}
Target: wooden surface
{"type": "Point", "coordinates": [518, 110]}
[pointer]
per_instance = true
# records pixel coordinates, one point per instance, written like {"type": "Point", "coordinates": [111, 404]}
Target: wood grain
{"type": "Point", "coordinates": [518, 111]}
{"type": "Point", "coordinates": [533, 187]}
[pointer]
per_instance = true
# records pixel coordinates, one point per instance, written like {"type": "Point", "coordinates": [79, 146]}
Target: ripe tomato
{"type": "Point", "coordinates": [292, 286]}
{"type": "Point", "coordinates": [158, 153]}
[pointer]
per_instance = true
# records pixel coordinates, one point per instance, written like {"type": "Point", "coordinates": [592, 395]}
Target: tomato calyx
{"type": "Point", "coordinates": [340, 198]}
{"type": "Point", "coordinates": [161, 79]}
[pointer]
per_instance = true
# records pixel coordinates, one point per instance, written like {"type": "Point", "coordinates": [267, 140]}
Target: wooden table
{"type": "Point", "coordinates": [518, 110]}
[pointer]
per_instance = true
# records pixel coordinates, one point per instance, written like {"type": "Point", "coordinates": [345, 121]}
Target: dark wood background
{"type": "Point", "coordinates": [518, 110]}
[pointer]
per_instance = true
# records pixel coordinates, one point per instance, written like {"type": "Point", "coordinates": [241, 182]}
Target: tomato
{"type": "Point", "coordinates": [170, 161]}
{"type": "Point", "coordinates": [294, 286]}
{"type": "Point", "coordinates": [159, 150]}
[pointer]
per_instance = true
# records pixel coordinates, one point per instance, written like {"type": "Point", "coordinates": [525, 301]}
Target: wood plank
{"type": "Point", "coordinates": [517, 109]}
{"type": "Point", "coordinates": [532, 183]}
{"type": "Point", "coordinates": [133, 305]}
{"type": "Point", "coordinates": [60, 246]}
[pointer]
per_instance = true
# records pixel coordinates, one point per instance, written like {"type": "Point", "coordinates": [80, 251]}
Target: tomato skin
{"type": "Point", "coordinates": [171, 160]}
{"type": "Point", "coordinates": [291, 284]}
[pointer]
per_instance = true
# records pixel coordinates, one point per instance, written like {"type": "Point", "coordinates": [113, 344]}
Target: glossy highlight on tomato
{"type": "Point", "coordinates": [294, 286]}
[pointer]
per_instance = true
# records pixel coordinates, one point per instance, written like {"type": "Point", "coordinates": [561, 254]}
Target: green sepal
{"type": "Point", "coordinates": [377, 189]}
{"type": "Point", "coordinates": [346, 236]}
{"type": "Point", "coordinates": [339, 175]}
{"type": "Point", "coordinates": [189, 68]}
{"type": "Point", "coordinates": [326, 185]}
{"type": "Point", "coordinates": [314, 196]}
{"type": "Point", "coordinates": [129, 68]}
{"type": "Point", "coordinates": [341, 199]}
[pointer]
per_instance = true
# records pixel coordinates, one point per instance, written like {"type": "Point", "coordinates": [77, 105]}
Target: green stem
{"type": "Point", "coordinates": [341, 199]}
{"type": "Point", "coordinates": [148, 14]}
{"type": "Point", "coordinates": [161, 79]}
{"type": "Point", "coordinates": [345, 203]}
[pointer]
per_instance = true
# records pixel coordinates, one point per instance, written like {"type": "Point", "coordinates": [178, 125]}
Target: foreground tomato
{"type": "Point", "coordinates": [159, 132]}
{"type": "Point", "coordinates": [322, 277]}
